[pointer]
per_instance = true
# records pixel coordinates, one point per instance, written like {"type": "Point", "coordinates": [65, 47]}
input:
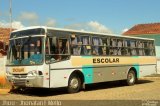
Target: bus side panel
{"type": "Point", "coordinates": [46, 75]}
{"type": "Point", "coordinates": [88, 74]}
{"type": "Point", "coordinates": [59, 73]}
{"type": "Point", "coordinates": [147, 70]}
{"type": "Point", "coordinates": [110, 73]}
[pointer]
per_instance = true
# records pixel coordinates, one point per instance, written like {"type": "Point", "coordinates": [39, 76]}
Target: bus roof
{"type": "Point", "coordinates": [78, 31]}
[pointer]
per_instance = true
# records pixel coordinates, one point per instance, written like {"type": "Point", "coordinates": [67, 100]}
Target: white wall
{"type": "Point", "coordinates": [158, 66]}
{"type": "Point", "coordinates": [2, 66]}
{"type": "Point", "coordinates": [158, 52]}
{"type": "Point", "coordinates": [158, 58]}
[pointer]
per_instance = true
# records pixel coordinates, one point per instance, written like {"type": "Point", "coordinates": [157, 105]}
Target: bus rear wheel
{"type": "Point", "coordinates": [131, 78]}
{"type": "Point", "coordinates": [74, 84]}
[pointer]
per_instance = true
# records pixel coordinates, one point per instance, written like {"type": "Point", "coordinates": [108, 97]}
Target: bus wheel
{"type": "Point", "coordinates": [131, 78]}
{"type": "Point", "coordinates": [74, 84]}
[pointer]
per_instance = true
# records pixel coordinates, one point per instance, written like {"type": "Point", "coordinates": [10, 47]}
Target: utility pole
{"type": "Point", "coordinates": [10, 12]}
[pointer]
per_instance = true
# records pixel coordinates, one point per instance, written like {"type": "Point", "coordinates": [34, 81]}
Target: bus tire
{"type": "Point", "coordinates": [74, 84]}
{"type": "Point", "coordinates": [131, 78]}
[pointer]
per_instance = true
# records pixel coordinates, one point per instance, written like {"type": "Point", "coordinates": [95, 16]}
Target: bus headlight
{"type": "Point", "coordinates": [32, 73]}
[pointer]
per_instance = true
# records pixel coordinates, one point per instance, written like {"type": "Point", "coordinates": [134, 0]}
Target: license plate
{"type": "Point", "coordinates": [18, 70]}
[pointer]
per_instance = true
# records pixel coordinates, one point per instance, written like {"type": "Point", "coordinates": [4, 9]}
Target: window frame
{"type": "Point", "coordinates": [123, 45]}
{"type": "Point", "coordinates": [80, 44]}
{"type": "Point", "coordinates": [50, 54]}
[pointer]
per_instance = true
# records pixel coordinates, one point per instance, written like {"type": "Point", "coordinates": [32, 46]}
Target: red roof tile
{"type": "Point", "coordinates": [4, 34]}
{"type": "Point", "coordinates": [153, 28]}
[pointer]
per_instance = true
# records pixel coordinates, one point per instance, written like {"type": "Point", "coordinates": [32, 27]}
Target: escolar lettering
{"type": "Point", "coordinates": [106, 60]}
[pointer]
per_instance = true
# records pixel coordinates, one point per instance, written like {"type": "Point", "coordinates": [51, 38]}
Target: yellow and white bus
{"type": "Point", "coordinates": [50, 58]}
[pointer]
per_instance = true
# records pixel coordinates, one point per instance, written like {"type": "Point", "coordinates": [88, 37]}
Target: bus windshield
{"type": "Point", "coordinates": [25, 51]}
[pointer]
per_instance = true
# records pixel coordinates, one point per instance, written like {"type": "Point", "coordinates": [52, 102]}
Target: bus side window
{"type": "Point", "coordinates": [86, 49]}
{"type": "Point", "coordinates": [104, 46]}
{"type": "Point", "coordinates": [120, 46]}
{"type": "Point", "coordinates": [133, 47]}
{"type": "Point", "coordinates": [98, 46]}
{"type": "Point", "coordinates": [148, 48]}
{"type": "Point", "coordinates": [140, 46]}
{"type": "Point", "coordinates": [101, 50]}
{"type": "Point", "coordinates": [52, 45]}
{"type": "Point", "coordinates": [51, 49]}
{"type": "Point", "coordinates": [75, 45]}
{"type": "Point", "coordinates": [63, 46]}
{"type": "Point", "coordinates": [113, 46]}
{"type": "Point", "coordinates": [151, 49]}
{"type": "Point", "coordinates": [95, 42]}
{"type": "Point", "coordinates": [57, 49]}
{"type": "Point", "coordinates": [126, 48]}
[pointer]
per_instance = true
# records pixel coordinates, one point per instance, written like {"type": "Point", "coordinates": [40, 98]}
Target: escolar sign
{"type": "Point", "coordinates": [106, 60]}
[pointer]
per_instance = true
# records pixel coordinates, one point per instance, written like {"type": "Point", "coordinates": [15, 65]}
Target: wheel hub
{"type": "Point", "coordinates": [74, 83]}
{"type": "Point", "coordinates": [131, 78]}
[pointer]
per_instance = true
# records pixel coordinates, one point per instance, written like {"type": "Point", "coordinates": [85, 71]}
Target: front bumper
{"type": "Point", "coordinates": [29, 81]}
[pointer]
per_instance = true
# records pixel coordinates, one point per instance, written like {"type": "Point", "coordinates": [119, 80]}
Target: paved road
{"type": "Point", "coordinates": [145, 89]}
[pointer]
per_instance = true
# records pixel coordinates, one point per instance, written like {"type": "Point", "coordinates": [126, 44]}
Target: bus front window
{"type": "Point", "coordinates": [25, 51]}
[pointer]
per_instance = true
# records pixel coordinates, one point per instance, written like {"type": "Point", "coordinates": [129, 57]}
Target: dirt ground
{"type": "Point", "coordinates": [145, 89]}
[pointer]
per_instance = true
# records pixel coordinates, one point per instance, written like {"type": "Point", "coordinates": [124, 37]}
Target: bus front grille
{"type": "Point", "coordinates": [20, 75]}
{"type": "Point", "coordinates": [19, 82]}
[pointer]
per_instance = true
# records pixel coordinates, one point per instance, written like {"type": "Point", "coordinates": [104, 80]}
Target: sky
{"type": "Point", "coordinates": [107, 16]}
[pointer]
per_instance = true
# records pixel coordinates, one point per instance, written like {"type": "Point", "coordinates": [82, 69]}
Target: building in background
{"type": "Point", "coordinates": [4, 41]}
{"type": "Point", "coordinates": [152, 31]}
